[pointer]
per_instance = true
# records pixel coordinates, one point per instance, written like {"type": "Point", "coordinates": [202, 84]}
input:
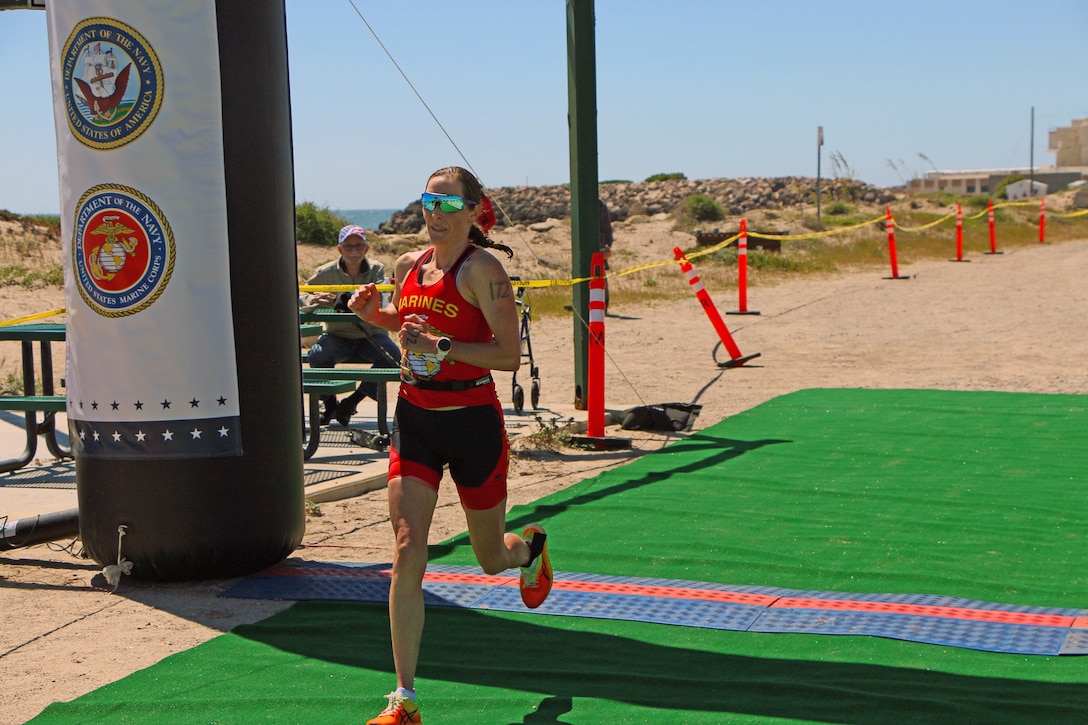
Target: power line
{"type": "Point", "coordinates": [437, 122]}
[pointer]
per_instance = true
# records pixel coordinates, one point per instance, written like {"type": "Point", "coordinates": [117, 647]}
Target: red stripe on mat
{"type": "Point", "coordinates": [710, 595]}
{"type": "Point", "coordinates": [978, 615]}
{"type": "Point", "coordinates": [707, 595]}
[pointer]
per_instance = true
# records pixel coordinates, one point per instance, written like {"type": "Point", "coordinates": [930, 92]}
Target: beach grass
{"type": "Point", "coordinates": [866, 247]}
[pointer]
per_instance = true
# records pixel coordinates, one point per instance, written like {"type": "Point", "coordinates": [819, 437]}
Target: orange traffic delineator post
{"type": "Point", "coordinates": [889, 224]}
{"type": "Point", "coordinates": [1042, 220]}
{"type": "Point", "coordinates": [993, 233]}
{"type": "Point", "coordinates": [959, 234]}
{"type": "Point", "coordinates": [712, 312]}
{"type": "Point", "coordinates": [595, 436]}
{"type": "Point", "coordinates": [742, 271]}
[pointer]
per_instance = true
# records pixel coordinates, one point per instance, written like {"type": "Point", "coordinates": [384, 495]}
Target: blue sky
{"type": "Point", "coordinates": [708, 88]}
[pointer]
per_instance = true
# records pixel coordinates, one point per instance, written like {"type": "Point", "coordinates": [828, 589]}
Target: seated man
{"type": "Point", "coordinates": [352, 340]}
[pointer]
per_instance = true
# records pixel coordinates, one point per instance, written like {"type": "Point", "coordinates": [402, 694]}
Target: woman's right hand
{"type": "Point", "coordinates": [365, 301]}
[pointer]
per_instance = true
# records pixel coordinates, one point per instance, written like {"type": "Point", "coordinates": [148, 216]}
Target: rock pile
{"type": "Point", "coordinates": [531, 204]}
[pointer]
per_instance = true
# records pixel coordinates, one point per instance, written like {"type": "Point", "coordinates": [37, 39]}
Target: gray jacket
{"type": "Point", "coordinates": [334, 273]}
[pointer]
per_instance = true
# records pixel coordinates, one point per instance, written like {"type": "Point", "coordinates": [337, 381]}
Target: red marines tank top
{"type": "Point", "coordinates": [448, 315]}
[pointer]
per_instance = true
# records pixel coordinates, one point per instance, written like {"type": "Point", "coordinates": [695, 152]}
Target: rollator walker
{"type": "Point", "coordinates": [518, 393]}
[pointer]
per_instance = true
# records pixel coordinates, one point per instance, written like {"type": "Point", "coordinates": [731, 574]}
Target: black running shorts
{"type": "Point", "coordinates": [472, 441]}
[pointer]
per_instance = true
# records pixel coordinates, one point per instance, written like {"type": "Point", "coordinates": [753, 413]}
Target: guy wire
{"type": "Point", "coordinates": [610, 358]}
{"type": "Point", "coordinates": [406, 80]}
{"type": "Point", "coordinates": [437, 122]}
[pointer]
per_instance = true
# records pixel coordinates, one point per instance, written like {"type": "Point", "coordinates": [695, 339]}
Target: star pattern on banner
{"type": "Point", "coordinates": [166, 404]}
{"type": "Point", "coordinates": [195, 437]}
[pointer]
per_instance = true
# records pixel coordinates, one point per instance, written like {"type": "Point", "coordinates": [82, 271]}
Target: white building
{"type": "Point", "coordinates": [964, 183]}
{"type": "Point", "coordinates": [1024, 189]}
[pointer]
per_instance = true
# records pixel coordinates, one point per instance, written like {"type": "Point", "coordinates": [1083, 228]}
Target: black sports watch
{"type": "Point", "coordinates": [444, 346]}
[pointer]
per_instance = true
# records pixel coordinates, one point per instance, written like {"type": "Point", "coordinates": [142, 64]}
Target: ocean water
{"type": "Point", "coordinates": [366, 218]}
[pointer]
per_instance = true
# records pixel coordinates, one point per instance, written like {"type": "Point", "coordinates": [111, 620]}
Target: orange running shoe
{"type": "Point", "coordinates": [536, 577]}
{"type": "Point", "coordinates": [401, 711]}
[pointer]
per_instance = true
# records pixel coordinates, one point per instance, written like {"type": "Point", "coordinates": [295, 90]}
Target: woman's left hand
{"type": "Point", "coordinates": [413, 334]}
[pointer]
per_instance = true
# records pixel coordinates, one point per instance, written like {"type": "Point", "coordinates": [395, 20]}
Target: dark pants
{"type": "Point", "coordinates": [379, 350]}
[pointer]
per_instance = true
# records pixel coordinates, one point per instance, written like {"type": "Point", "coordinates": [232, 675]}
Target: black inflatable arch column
{"type": "Point", "coordinates": [199, 518]}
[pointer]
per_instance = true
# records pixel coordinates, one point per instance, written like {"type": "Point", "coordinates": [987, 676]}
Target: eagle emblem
{"type": "Point", "coordinates": [113, 83]}
{"type": "Point", "coordinates": [108, 258]}
{"type": "Point", "coordinates": [122, 251]}
{"type": "Point", "coordinates": [102, 105]}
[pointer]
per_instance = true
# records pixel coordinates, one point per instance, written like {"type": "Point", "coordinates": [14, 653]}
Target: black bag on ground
{"type": "Point", "coordinates": [670, 417]}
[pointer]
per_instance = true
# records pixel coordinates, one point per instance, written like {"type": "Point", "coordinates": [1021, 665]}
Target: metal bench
{"type": "Point", "coordinates": [43, 403]}
{"type": "Point", "coordinates": [330, 381]}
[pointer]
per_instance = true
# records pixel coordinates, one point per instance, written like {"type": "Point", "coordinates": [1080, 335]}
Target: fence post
{"type": "Point", "coordinates": [595, 360]}
{"type": "Point", "coordinates": [712, 313]}
{"type": "Point", "coordinates": [595, 436]}
{"type": "Point", "coordinates": [959, 234]}
{"type": "Point", "coordinates": [889, 224]}
{"type": "Point", "coordinates": [742, 271]}
{"type": "Point", "coordinates": [993, 234]}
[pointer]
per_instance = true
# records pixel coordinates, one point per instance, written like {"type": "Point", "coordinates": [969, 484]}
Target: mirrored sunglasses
{"type": "Point", "coordinates": [446, 202]}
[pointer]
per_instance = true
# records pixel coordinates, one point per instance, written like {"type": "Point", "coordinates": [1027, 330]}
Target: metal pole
{"type": "Point", "coordinates": [819, 146]}
{"type": "Point", "coordinates": [1031, 157]}
{"type": "Point", "coordinates": [585, 218]}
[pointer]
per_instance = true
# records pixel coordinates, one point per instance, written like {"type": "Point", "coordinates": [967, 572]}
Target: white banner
{"type": "Point", "coordinates": [151, 370]}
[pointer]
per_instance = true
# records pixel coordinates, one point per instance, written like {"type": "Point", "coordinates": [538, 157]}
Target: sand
{"type": "Point", "coordinates": [1010, 322]}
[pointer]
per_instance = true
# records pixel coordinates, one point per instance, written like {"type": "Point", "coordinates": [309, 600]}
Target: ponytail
{"type": "Point", "coordinates": [480, 239]}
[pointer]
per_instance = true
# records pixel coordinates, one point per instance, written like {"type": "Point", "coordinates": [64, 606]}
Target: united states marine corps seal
{"type": "Point", "coordinates": [112, 83]}
{"type": "Point", "coordinates": [122, 251]}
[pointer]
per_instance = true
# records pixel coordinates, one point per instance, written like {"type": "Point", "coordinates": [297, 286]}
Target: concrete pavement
{"type": "Point", "coordinates": [339, 469]}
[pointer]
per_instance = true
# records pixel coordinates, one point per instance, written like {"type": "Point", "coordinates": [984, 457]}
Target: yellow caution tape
{"type": "Point", "coordinates": [31, 318]}
{"type": "Point", "coordinates": [340, 287]}
{"type": "Point", "coordinates": [541, 283]}
{"type": "Point", "coordinates": [710, 250]}
{"type": "Point", "coordinates": [901, 228]}
{"type": "Point", "coordinates": [644, 267]}
{"type": "Point", "coordinates": [817, 235]}
{"type": "Point", "coordinates": [531, 283]}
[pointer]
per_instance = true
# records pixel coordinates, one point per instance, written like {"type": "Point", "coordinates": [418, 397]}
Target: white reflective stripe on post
{"type": "Point", "coordinates": [693, 279]}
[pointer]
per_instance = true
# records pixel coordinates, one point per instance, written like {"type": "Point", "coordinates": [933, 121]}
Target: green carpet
{"type": "Point", "coordinates": [975, 495]}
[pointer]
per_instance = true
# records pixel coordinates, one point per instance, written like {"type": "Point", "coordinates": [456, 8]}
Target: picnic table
{"type": "Point", "coordinates": [316, 382]}
{"type": "Point", "coordinates": [325, 314]}
{"type": "Point", "coordinates": [330, 381]}
{"type": "Point", "coordinates": [30, 403]}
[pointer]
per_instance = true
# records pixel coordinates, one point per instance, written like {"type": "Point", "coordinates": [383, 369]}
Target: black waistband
{"type": "Point", "coordinates": [450, 386]}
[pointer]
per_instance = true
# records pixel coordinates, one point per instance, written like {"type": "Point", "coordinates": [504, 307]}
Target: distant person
{"type": "Point", "coordinates": [606, 244]}
{"type": "Point", "coordinates": [352, 340]}
{"type": "Point", "coordinates": [457, 319]}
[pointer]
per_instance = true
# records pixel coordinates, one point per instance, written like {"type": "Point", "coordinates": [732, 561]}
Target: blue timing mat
{"type": "Point", "coordinates": [929, 619]}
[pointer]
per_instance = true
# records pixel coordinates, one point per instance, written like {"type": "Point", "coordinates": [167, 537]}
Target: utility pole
{"type": "Point", "coordinates": [819, 146]}
{"type": "Point", "coordinates": [1031, 157]}
{"type": "Point", "coordinates": [585, 217]}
